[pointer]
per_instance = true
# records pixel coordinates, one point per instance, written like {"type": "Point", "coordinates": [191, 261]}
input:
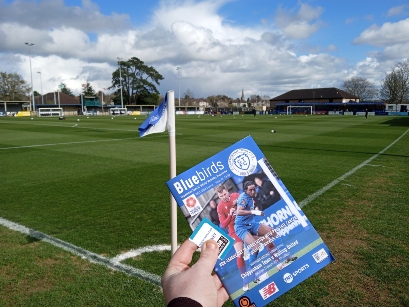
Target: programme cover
{"type": "Point", "coordinates": [235, 195]}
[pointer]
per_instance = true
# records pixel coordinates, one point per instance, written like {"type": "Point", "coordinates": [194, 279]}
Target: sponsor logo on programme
{"type": "Point", "coordinates": [192, 205]}
{"type": "Point", "coordinates": [268, 290]}
{"type": "Point", "coordinates": [244, 301]}
{"type": "Point", "coordinates": [288, 278]}
{"type": "Point", "coordinates": [301, 269]}
{"type": "Point", "coordinates": [320, 256]}
{"type": "Point", "coordinates": [242, 162]}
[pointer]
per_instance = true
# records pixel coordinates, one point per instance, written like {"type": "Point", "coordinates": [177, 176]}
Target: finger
{"type": "Point", "coordinates": [222, 296]}
{"type": "Point", "coordinates": [208, 257]}
{"type": "Point", "coordinates": [217, 282]}
{"type": "Point", "coordinates": [182, 258]}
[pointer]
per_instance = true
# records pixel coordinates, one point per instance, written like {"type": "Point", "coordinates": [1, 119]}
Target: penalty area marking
{"type": "Point", "coordinates": [83, 253]}
{"type": "Point", "coordinates": [311, 197]}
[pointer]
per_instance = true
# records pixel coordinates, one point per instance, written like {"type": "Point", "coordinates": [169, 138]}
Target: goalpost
{"type": "Point", "coordinates": [289, 108]}
{"type": "Point", "coordinates": [50, 112]}
{"type": "Point", "coordinates": [118, 111]}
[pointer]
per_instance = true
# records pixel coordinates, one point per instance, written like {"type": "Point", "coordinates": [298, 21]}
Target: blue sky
{"type": "Point", "coordinates": [265, 47]}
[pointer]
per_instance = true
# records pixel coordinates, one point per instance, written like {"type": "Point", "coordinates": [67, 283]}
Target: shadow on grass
{"type": "Point", "coordinates": [397, 121]}
{"type": "Point", "coordinates": [301, 149]}
{"type": "Point", "coordinates": [35, 236]}
{"type": "Point", "coordinates": [340, 151]}
{"type": "Point", "coordinates": [31, 239]}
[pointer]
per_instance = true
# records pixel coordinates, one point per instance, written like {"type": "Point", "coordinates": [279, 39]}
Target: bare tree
{"type": "Point", "coordinates": [189, 94]}
{"type": "Point", "coordinates": [389, 90]}
{"type": "Point", "coordinates": [361, 88]}
{"type": "Point", "coordinates": [13, 87]}
{"type": "Point", "coordinates": [212, 100]}
{"type": "Point", "coordinates": [395, 85]}
{"type": "Point", "coordinates": [253, 99]}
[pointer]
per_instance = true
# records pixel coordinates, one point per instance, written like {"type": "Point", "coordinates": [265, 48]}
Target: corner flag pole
{"type": "Point", "coordinates": [172, 152]}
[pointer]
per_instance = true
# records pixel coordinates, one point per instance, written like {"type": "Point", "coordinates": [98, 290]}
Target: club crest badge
{"type": "Point", "coordinates": [242, 162]}
{"type": "Point", "coordinates": [153, 119]}
{"type": "Point", "coordinates": [192, 205]}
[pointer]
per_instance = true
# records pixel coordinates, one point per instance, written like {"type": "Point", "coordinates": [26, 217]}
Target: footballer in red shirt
{"type": "Point", "coordinates": [227, 214]}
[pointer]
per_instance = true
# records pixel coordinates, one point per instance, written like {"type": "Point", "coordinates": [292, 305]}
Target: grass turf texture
{"type": "Point", "coordinates": [100, 187]}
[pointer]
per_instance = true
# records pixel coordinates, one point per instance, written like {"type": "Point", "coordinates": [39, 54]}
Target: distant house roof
{"type": "Point", "coordinates": [315, 94]}
{"type": "Point", "coordinates": [64, 99]}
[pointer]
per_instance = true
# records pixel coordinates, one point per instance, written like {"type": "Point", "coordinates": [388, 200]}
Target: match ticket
{"type": "Point", "coordinates": [208, 231]}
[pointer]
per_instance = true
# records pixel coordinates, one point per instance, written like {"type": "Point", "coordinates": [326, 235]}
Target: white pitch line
{"type": "Point", "coordinates": [83, 253]}
{"type": "Point", "coordinates": [376, 165]}
{"type": "Point", "coordinates": [65, 143]}
{"type": "Point", "coordinates": [65, 126]}
{"type": "Point", "coordinates": [136, 252]}
{"type": "Point", "coordinates": [311, 197]}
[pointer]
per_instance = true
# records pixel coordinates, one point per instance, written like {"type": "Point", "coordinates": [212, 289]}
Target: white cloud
{"type": "Point", "coordinates": [385, 35]}
{"type": "Point", "coordinates": [332, 48]}
{"type": "Point", "coordinates": [307, 58]}
{"type": "Point", "coordinates": [46, 14]}
{"type": "Point", "coordinates": [299, 25]}
{"type": "Point", "coordinates": [202, 14]}
{"type": "Point", "coordinates": [398, 10]}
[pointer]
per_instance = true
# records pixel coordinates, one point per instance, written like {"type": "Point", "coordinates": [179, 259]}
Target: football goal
{"type": "Point", "coordinates": [299, 110]}
{"type": "Point", "coordinates": [50, 112]}
{"type": "Point", "coordinates": [139, 109]}
{"type": "Point", "coordinates": [118, 111]}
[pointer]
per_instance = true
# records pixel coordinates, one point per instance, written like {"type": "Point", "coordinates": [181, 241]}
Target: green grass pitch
{"type": "Point", "coordinates": [95, 184]}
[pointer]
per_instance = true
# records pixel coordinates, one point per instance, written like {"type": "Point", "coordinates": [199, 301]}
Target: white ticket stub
{"type": "Point", "coordinates": [208, 231]}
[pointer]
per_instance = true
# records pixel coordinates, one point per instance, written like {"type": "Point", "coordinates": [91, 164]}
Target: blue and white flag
{"type": "Point", "coordinates": [157, 121]}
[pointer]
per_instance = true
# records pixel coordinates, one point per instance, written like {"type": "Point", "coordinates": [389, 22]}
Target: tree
{"type": "Point", "coordinates": [253, 99]}
{"type": "Point", "coordinates": [361, 88]}
{"type": "Point", "coordinates": [13, 87]}
{"type": "Point", "coordinates": [138, 81]}
{"type": "Point", "coordinates": [88, 90]}
{"type": "Point", "coordinates": [395, 85]}
{"type": "Point", "coordinates": [212, 100]}
{"type": "Point", "coordinates": [189, 94]}
{"type": "Point", "coordinates": [65, 89]}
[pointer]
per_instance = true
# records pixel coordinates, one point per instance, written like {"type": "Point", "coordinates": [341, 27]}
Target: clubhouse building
{"type": "Point", "coordinates": [323, 101]}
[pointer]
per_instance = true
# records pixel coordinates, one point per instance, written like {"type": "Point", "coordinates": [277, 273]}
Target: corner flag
{"type": "Point", "coordinates": [156, 121]}
{"type": "Point", "coordinates": [162, 118]}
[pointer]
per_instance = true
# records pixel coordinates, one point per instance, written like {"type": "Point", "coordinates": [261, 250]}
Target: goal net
{"type": "Point", "coordinates": [299, 110]}
{"type": "Point", "coordinates": [118, 111]}
{"type": "Point", "coordinates": [50, 112]}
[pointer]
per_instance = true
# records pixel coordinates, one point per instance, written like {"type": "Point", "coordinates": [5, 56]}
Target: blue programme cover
{"type": "Point", "coordinates": [284, 248]}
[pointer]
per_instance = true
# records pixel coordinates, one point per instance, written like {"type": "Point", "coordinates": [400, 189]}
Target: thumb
{"type": "Point", "coordinates": [208, 256]}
